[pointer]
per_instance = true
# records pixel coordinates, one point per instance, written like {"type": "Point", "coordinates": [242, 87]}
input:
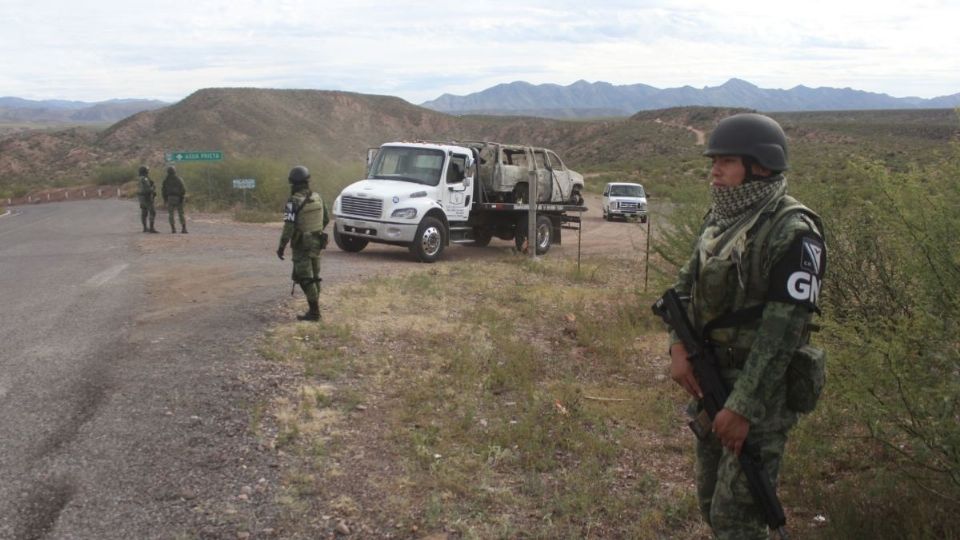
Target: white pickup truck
{"type": "Point", "coordinates": [426, 195]}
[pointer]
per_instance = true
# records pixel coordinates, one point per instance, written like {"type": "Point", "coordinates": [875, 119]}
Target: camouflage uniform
{"type": "Point", "coordinates": [174, 192]}
{"type": "Point", "coordinates": [782, 274]}
{"type": "Point", "coordinates": [304, 218]}
{"type": "Point", "coordinates": [146, 193]}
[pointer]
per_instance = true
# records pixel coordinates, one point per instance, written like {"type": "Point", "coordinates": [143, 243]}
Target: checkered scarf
{"type": "Point", "coordinates": [730, 204]}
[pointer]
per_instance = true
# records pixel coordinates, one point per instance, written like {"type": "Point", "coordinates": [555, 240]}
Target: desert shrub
{"type": "Point", "coordinates": [115, 174]}
{"type": "Point", "coordinates": [210, 186]}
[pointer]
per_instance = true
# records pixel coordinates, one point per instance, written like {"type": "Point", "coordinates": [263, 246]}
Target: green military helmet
{"type": "Point", "coordinates": [298, 175]}
{"type": "Point", "coordinates": [749, 134]}
{"type": "Point", "coordinates": [171, 170]}
{"type": "Point", "coordinates": [144, 170]}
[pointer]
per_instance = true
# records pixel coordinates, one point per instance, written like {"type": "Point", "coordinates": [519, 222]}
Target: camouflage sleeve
{"type": "Point", "coordinates": [684, 284]}
{"type": "Point", "coordinates": [326, 215]}
{"type": "Point", "coordinates": [289, 221]}
{"type": "Point", "coordinates": [781, 327]}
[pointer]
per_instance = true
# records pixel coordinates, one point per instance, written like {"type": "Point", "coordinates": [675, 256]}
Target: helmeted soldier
{"type": "Point", "coordinates": [304, 218]}
{"type": "Point", "coordinates": [174, 193]}
{"type": "Point", "coordinates": [753, 283]}
{"type": "Point", "coordinates": [146, 193]}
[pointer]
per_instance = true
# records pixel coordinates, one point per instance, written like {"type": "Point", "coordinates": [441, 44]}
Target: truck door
{"type": "Point", "coordinates": [456, 197]}
{"type": "Point", "coordinates": [561, 177]}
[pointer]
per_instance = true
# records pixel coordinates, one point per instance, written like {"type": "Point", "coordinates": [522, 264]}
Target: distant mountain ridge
{"type": "Point", "coordinates": [583, 99]}
{"type": "Point", "coordinates": [58, 111]}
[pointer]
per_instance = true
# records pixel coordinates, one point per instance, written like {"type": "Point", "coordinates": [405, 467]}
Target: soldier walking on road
{"type": "Point", "coordinates": [304, 218]}
{"type": "Point", "coordinates": [752, 284]}
{"type": "Point", "coordinates": [174, 193]}
{"type": "Point", "coordinates": [146, 193]}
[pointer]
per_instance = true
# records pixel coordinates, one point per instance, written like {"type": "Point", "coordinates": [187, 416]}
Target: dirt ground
{"type": "Point", "coordinates": [222, 265]}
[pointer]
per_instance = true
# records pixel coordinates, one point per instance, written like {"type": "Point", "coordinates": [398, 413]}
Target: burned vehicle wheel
{"type": "Point", "coordinates": [350, 244]}
{"type": "Point", "coordinates": [576, 198]}
{"type": "Point", "coordinates": [521, 194]}
{"type": "Point", "coordinates": [428, 243]}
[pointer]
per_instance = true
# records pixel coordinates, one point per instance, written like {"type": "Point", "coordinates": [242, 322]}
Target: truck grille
{"type": "Point", "coordinates": [627, 205]}
{"type": "Point", "coordinates": [356, 206]}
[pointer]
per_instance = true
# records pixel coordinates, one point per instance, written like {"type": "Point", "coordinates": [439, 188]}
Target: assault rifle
{"type": "Point", "coordinates": [705, 367]}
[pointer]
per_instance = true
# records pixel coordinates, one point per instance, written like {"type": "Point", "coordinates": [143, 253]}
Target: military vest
{"type": "Point", "coordinates": [310, 216]}
{"type": "Point", "coordinates": [718, 292]}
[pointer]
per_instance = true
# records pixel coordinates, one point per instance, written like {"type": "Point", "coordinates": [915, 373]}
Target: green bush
{"type": "Point", "coordinates": [115, 174]}
{"type": "Point", "coordinates": [210, 185]}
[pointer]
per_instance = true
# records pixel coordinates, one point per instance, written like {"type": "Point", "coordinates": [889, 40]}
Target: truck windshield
{"type": "Point", "coordinates": [626, 191]}
{"type": "Point", "coordinates": [419, 165]}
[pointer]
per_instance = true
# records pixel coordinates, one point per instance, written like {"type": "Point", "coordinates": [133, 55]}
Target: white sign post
{"type": "Point", "coordinates": [244, 184]}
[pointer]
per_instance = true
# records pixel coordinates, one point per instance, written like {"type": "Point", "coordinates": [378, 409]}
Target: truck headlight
{"type": "Point", "coordinates": [404, 213]}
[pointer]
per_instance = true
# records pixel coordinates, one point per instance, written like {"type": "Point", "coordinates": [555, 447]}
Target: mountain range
{"type": "Point", "coordinates": [583, 99]}
{"type": "Point", "coordinates": [58, 111]}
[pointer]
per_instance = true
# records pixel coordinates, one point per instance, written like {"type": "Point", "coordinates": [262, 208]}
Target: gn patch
{"type": "Point", "coordinates": [289, 213]}
{"type": "Point", "coordinates": [798, 276]}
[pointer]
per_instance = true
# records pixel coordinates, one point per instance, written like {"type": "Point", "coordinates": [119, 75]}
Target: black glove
{"type": "Point", "coordinates": [280, 252]}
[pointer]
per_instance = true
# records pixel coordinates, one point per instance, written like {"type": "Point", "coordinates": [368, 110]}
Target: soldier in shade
{"type": "Point", "coordinates": [146, 193]}
{"type": "Point", "coordinates": [174, 192]}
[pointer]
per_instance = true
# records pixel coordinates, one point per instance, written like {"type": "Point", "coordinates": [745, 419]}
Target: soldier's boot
{"type": "Point", "coordinates": [313, 314]}
{"type": "Point", "coordinates": [143, 221]}
{"type": "Point", "coordinates": [173, 230]}
{"type": "Point", "coordinates": [183, 229]}
{"type": "Point", "coordinates": [152, 229]}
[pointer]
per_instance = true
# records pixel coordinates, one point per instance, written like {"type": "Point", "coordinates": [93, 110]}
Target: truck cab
{"type": "Point", "coordinates": [412, 194]}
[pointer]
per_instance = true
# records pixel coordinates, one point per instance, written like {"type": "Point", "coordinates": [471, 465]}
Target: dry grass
{"type": "Point", "coordinates": [457, 402]}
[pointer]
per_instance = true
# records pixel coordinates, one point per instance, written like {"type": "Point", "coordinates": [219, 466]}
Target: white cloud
{"type": "Point", "coordinates": [420, 50]}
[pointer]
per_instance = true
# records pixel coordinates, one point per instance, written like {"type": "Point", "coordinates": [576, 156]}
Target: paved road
{"type": "Point", "coordinates": [129, 372]}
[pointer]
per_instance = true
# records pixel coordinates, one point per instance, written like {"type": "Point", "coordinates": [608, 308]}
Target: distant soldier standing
{"type": "Point", "coordinates": [174, 192]}
{"type": "Point", "coordinates": [146, 193]}
{"type": "Point", "coordinates": [752, 284]}
{"type": "Point", "coordinates": [304, 218]}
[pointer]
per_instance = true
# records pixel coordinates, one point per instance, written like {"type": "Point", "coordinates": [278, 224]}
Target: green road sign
{"type": "Point", "coordinates": [193, 156]}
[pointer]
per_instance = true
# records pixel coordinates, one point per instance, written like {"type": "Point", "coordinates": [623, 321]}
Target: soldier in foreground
{"type": "Point", "coordinates": [174, 193]}
{"type": "Point", "coordinates": [146, 193]}
{"type": "Point", "coordinates": [750, 289]}
{"type": "Point", "coordinates": [304, 218]}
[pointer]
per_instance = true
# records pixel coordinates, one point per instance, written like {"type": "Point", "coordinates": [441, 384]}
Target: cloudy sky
{"type": "Point", "coordinates": [101, 49]}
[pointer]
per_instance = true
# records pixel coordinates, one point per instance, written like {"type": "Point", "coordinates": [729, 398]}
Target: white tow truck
{"type": "Point", "coordinates": [427, 195]}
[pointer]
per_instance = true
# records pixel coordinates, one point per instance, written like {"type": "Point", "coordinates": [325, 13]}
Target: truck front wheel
{"type": "Point", "coordinates": [429, 241]}
{"type": "Point", "coordinates": [350, 244]}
